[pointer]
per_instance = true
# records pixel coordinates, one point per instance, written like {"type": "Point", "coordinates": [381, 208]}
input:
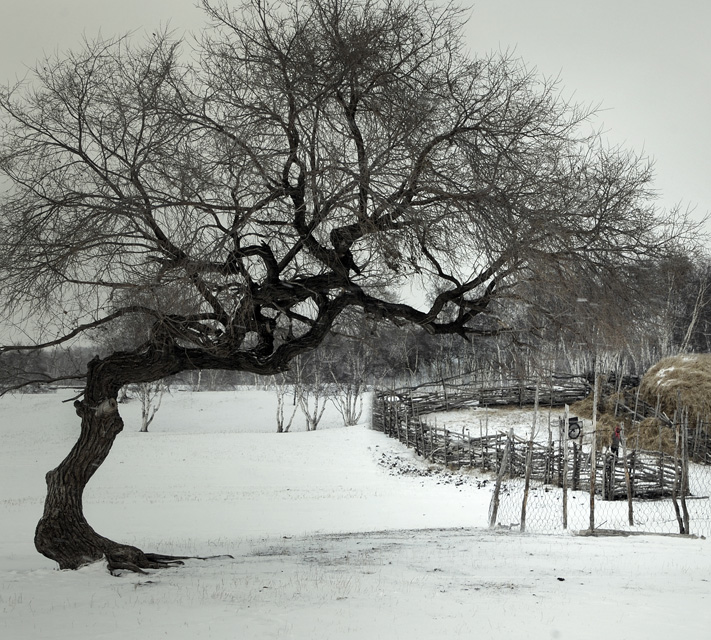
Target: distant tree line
{"type": "Point", "coordinates": [675, 319]}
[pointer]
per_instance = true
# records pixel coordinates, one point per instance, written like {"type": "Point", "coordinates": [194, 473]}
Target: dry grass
{"type": "Point", "coordinates": [650, 434]}
{"type": "Point", "coordinates": [653, 435]}
{"type": "Point", "coordinates": [676, 381]}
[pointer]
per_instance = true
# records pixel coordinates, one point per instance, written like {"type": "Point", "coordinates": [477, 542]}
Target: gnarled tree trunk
{"type": "Point", "coordinates": [63, 534]}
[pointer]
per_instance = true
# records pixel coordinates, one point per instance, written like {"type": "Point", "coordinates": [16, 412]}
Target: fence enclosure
{"type": "Point", "coordinates": [659, 484]}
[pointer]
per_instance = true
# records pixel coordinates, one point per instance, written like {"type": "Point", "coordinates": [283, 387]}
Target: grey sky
{"type": "Point", "coordinates": [647, 63]}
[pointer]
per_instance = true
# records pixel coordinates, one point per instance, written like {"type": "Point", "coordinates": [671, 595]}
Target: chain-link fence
{"type": "Point", "coordinates": [545, 486]}
{"type": "Point", "coordinates": [544, 511]}
{"type": "Point", "coordinates": [635, 490]}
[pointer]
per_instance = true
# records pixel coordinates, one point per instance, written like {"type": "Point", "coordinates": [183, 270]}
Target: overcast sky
{"type": "Point", "coordinates": [647, 63]}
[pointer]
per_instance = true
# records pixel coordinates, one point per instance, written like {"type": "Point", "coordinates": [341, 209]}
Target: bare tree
{"type": "Point", "coordinates": [311, 390]}
{"type": "Point", "coordinates": [281, 386]}
{"type": "Point", "coordinates": [306, 157]}
{"type": "Point", "coordinates": [348, 390]}
{"type": "Point", "coordinates": [151, 396]}
{"type": "Point", "coordinates": [348, 360]}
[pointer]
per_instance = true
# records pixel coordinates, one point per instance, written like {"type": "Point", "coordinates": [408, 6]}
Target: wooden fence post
{"type": "Point", "coordinates": [593, 452]}
{"type": "Point", "coordinates": [461, 450]}
{"type": "Point", "coordinates": [444, 429]}
{"type": "Point", "coordinates": [628, 483]}
{"type": "Point", "coordinates": [565, 467]}
{"type": "Point", "coordinates": [497, 489]}
{"type": "Point", "coordinates": [529, 459]}
{"type": "Point", "coordinates": [397, 423]}
{"type": "Point", "coordinates": [675, 490]}
{"type": "Point", "coordinates": [685, 467]}
{"type": "Point", "coordinates": [527, 483]}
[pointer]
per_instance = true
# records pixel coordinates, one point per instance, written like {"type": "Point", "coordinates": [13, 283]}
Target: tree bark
{"type": "Point", "coordinates": [63, 533]}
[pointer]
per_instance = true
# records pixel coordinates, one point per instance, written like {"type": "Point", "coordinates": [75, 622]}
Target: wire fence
{"type": "Point", "coordinates": [558, 484]}
{"type": "Point", "coordinates": [545, 511]}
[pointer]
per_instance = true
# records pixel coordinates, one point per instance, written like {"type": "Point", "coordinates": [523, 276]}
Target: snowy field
{"type": "Point", "coordinates": [337, 533]}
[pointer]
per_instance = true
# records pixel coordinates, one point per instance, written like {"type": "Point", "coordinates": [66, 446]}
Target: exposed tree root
{"type": "Point", "coordinates": [129, 558]}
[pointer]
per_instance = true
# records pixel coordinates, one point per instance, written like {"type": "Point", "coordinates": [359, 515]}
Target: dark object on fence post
{"type": "Point", "coordinates": [494, 511]}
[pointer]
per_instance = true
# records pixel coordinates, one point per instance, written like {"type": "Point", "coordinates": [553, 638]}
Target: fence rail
{"type": "Point", "coordinates": [455, 393]}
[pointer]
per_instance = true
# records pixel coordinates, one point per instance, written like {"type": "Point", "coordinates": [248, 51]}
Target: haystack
{"type": "Point", "coordinates": [682, 381]}
{"type": "Point", "coordinates": [650, 434]}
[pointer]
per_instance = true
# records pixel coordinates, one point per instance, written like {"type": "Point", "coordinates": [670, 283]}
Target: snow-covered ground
{"type": "Point", "coordinates": [337, 533]}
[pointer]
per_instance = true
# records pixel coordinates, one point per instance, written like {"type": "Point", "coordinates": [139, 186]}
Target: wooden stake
{"type": "Point", "coordinates": [565, 467]}
{"type": "Point", "coordinates": [593, 453]}
{"type": "Point", "coordinates": [623, 442]}
{"type": "Point", "coordinates": [499, 477]}
{"type": "Point", "coordinates": [685, 467]}
{"type": "Point", "coordinates": [675, 489]}
{"type": "Point", "coordinates": [529, 462]}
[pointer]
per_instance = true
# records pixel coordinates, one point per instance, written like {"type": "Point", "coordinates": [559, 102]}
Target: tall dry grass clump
{"type": "Point", "coordinates": [683, 380]}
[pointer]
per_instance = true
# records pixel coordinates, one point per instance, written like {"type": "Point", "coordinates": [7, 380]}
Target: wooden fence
{"type": "Point", "coordinates": [458, 393]}
{"type": "Point", "coordinates": [651, 474]}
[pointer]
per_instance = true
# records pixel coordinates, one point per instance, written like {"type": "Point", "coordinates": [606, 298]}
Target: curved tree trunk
{"type": "Point", "coordinates": [63, 534]}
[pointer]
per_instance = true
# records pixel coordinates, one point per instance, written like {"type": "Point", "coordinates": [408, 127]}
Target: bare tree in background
{"type": "Point", "coordinates": [281, 386]}
{"type": "Point", "coordinates": [150, 395]}
{"type": "Point", "coordinates": [305, 158]}
{"type": "Point", "coordinates": [349, 383]}
{"type": "Point", "coordinates": [310, 389]}
{"type": "Point", "coordinates": [348, 359]}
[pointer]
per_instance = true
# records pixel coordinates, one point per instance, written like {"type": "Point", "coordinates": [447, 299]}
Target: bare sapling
{"type": "Point", "coordinates": [279, 383]}
{"type": "Point", "coordinates": [348, 401]}
{"type": "Point", "coordinates": [529, 459]}
{"type": "Point", "coordinates": [151, 395]}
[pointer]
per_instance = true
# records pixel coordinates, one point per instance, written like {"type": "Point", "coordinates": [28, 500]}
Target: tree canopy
{"type": "Point", "coordinates": [298, 159]}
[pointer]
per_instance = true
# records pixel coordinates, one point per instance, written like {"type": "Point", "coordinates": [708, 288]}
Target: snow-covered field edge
{"type": "Point", "coordinates": [331, 536]}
